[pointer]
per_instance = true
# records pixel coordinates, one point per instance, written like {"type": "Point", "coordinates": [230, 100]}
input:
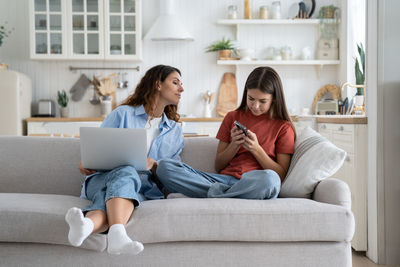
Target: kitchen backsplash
{"type": "Point", "coordinates": [199, 69]}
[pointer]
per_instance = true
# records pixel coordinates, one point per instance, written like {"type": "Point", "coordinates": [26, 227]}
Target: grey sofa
{"type": "Point", "coordinates": [40, 181]}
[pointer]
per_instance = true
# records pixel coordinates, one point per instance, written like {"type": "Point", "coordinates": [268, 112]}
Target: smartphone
{"type": "Point", "coordinates": [241, 127]}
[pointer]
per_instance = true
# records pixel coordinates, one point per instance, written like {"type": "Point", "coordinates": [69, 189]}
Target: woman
{"type": "Point", "coordinates": [251, 164]}
{"type": "Point", "coordinates": [116, 193]}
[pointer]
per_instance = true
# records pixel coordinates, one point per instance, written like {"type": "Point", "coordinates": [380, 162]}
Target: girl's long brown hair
{"type": "Point", "coordinates": [267, 80]}
{"type": "Point", "coordinates": [146, 91]}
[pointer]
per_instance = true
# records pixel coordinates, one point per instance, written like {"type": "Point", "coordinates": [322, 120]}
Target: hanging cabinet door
{"type": "Point", "coordinates": [85, 29]}
{"type": "Point", "coordinates": [48, 36]}
{"type": "Point", "coordinates": [122, 29]}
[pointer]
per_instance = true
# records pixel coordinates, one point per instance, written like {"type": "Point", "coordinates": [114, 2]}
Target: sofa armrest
{"type": "Point", "coordinates": [333, 191]}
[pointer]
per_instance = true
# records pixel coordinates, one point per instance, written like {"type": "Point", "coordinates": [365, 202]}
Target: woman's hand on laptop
{"type": "Point", "coordinates": [85, 171]}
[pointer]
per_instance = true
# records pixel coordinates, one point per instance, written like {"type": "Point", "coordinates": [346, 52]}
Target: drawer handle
{"type": "Point", "coordinates": [347, 159]}
{"type": "Point", "coordinates": [323, 126]}
{"type": "Point", "coordinates": [341, 128]}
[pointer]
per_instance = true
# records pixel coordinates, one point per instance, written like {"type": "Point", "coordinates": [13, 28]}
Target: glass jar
{"type": "Point", "coordinates": [232, 12]}
{"type": "Point", "coordinates": [276, 10]}
{"type": "Point", "coordinates": [263, 14]}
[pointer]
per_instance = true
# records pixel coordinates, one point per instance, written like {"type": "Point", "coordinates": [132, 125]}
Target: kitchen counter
{"type": "Point", "coordinates": [58, 119]}
{"type": "Point", "coordinates": [343, 119]}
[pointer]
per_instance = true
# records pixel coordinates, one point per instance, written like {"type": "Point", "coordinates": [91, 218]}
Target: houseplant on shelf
{"type": "Point", "coordinates": [224, 48]}
{"type": "Point", "coordinates": [62, 100]}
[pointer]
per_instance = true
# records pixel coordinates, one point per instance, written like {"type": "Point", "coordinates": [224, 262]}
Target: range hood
{"type": "Point", "coordinates": [167, 26]}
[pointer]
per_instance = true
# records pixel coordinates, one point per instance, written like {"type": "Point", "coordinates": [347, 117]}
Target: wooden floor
{"type": "Point", "coordinates": [360, 260]}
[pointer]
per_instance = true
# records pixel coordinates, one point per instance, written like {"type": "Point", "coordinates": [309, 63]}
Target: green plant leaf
{"type": "Point", "coordinates": [220, 45]}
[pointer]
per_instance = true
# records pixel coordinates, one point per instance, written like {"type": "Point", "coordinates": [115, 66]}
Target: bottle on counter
{"type": "Point", "coordinates": [232, 12]}
{"type": "Point", "coordinates": [247, 9]}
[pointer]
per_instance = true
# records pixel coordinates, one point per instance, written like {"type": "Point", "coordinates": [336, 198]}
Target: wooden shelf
{"type": "Point", "coordinates": [278, 62]}
{"type": "Point", "coordinates": [268, 21]}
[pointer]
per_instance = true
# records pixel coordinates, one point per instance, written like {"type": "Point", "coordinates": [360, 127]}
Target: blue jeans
{"type": "Point", "coordinates": [122, 182]}
{"type": "Point", "coordinates": [178, 177]}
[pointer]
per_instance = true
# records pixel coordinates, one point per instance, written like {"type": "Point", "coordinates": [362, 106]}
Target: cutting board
{"type": "Point", "coordinates": [228, 94]}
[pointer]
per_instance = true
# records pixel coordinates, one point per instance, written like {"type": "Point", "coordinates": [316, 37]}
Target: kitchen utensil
{"type": "Point", "coordinates": [227, 95]}
{"type": "Point", "coordinates": [78, 89]}
{"type": "Point", "coordinates": [302, 11]}
{"type": "Point", "coordinates": [310, 7]}
{"type": "Point", "coordinates": [95, 100]}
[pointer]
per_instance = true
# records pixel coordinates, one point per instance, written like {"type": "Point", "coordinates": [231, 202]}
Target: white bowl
{"type": "Point", "coordinates": [245, 53]}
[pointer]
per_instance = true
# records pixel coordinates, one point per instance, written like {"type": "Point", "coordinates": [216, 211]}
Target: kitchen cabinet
{"type": "Point", "coordinates": [86, 29]}
{"type": "Point", "coordinates": [353, 138]}
{"type": "Point", "coordinates": [67, 127]}
{"type": "Point", "coordinates": [201, 126]}
{"type": "Point", "coordinates": [281, 31]}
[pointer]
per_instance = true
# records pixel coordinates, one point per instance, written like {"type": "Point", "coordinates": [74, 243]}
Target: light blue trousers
{"type": "Point", "coordinates": [121, 182]}
{"type": "Point", "coordinates": [178, 177]}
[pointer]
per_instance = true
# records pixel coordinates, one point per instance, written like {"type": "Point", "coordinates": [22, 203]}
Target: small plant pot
{"type": "Point", "coordinates": [224, 54]}
{"type": "Point", "coordinates": [64, 112]}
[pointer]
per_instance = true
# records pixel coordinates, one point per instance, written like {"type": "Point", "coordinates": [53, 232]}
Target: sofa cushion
{"type": "Point", "coordinates": [315, 158]}
{"type": "Point", "coordinates": [40, 165]}
{"type": "Point", "coordinates": [39, 218]}
{"type": "Point", "coordinates": [200, 152]}
{"type": "Point", "coordinates": [276, 220]}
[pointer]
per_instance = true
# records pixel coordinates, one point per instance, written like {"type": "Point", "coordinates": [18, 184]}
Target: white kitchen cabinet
{"type": "Point", "coordinates": [86, 29]}
{"type": "Point", "coordinates": [209, 128]}
{"type": "Point", "coordinates": [58, 128]}
{"type": "Point", "coordinates": [48, 24]}
{"type": "Point", "coordinates": [354, 140]}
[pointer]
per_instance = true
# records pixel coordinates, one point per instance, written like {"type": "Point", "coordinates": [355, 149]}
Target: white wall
{"type": "Point", "coordinates": [199, 69]}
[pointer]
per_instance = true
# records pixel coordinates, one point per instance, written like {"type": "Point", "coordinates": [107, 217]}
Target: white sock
{"type": "Point", "coordinates": [79, 226]}
{"type": "Point", "coordinates": [119, 242]}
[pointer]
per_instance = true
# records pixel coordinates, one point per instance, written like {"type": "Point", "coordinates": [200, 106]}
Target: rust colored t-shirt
{"type": "Point", "coordinates": [274, 136]}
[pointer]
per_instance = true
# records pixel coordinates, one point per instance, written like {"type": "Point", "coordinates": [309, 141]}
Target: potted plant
{"type": "Point", "coordinates": [3, 34]}
{"type": "Point", "coordinates": [224, 48]}
{"type": "Point", "coordinates": [359, 71]}
{"type": "Point", "coordinates": [327, 12]}
{"type": "Point", "coordinates": [63, 102]}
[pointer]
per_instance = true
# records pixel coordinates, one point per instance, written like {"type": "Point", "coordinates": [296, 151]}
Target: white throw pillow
{"type": "Point", "coordinates": [315, 158]}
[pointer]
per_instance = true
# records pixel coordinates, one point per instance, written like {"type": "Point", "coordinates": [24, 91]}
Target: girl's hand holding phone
{"type": "Point", "coordinates": [251, 142]}
{"type": "Point", "coordinates": [237, 136]}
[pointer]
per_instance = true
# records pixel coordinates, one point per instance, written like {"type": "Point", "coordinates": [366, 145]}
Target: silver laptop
{"type": "Point", "coordinates": [108, 148]}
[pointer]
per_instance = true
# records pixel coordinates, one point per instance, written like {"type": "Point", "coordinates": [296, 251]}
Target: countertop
{"type": "Point", "coordinates": [345, 119]}
{"type": "Point", "coordinates": [58, 119]}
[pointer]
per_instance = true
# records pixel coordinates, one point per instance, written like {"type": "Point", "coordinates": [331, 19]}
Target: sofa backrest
{"type": "Point", "coordinates": [49, 165]}
{"type": "Point", "coordinates": [200, 152]}
{"type": "Point", "coordinates": [40, 165]}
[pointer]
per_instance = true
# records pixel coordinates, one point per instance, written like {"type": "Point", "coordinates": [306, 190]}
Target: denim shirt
{"type": "Point", "coordinates": [168, 144]}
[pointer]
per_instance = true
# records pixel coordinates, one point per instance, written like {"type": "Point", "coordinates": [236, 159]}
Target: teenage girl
{"type": "Point", "coordinates": [250, 164]}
